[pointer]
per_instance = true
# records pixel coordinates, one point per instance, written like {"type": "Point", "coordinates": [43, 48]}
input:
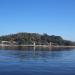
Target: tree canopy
{"type": "Point", "coordinates": [29, 38]}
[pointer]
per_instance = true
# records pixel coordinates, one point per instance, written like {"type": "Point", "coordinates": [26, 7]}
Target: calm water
{"type": "Point", "coordinates": [37, 62]}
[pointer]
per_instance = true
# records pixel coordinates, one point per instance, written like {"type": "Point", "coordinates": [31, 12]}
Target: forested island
{"type": "Point", "coordinates": [29, 38]}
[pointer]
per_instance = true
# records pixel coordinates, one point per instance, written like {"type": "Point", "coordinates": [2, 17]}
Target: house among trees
{"type": "Point", "coordinates": [8, 42]}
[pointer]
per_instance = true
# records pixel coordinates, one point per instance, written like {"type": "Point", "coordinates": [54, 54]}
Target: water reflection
{"type": "Point", "coordinates": [36, 61]}
{"type": "Point", "coordinates": [32, 53]}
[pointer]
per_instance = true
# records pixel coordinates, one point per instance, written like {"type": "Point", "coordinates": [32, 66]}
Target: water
{"type": "Point", "coordinates": [37, 62]}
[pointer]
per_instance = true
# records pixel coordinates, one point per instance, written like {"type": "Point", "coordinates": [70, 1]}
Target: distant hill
{"type": "Point", "coordinates": [28, 38]}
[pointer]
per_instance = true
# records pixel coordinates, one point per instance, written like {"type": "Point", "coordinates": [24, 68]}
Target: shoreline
{"type": "Point", "coordinates": [43, 46]}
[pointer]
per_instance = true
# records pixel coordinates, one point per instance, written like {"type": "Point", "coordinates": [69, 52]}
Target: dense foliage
{"type": "Point", "coordinates": [29, 38]}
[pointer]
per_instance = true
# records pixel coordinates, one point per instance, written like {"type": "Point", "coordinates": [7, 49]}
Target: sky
{"type": "Point", "coordinates": [54, 17]}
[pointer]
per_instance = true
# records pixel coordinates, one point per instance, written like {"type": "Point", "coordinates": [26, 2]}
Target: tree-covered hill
{"type": "Point", "coordinates": [28, 38]}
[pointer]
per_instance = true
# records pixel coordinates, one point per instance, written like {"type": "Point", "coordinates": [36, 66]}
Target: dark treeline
{"type": "Point", "coordinates": [29, 38]}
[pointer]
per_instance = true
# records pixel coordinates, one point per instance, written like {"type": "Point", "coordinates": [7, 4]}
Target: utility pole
{"type": "Point", "coordinates": [50, 44]}
{"type": "Point", "coordinates": [34, 44]}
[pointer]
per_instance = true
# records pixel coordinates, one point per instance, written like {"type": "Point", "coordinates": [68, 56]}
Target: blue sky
{"type": "Point", "coordinates": [55, 17]}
